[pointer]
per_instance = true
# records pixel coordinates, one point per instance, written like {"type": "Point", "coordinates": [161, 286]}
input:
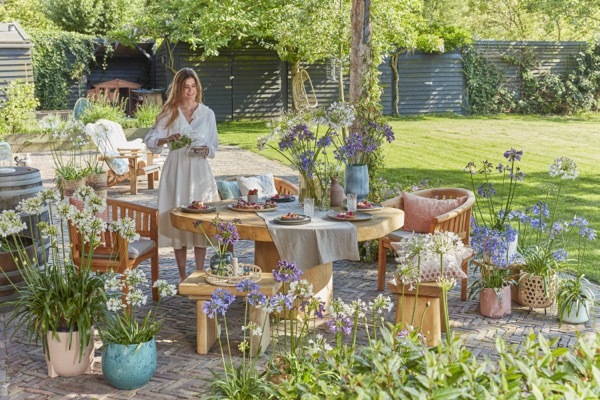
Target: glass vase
{"type": "Point", "coordinates": [220, 263]}
{"type": "Point", "coordinates": [357, 180]}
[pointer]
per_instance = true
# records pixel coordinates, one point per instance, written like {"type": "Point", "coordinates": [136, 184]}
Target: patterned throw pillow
{"type": "Point", "coordinates": [420, 211]}
{"type": "Point", "coordinates": [118, 165]}
{"type": "Point", "coordinates": [264, 183]}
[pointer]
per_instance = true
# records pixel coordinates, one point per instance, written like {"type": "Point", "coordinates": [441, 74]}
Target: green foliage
{"type": "Point", "coordinates": [59, 58]}
{"type": "Point", "coordinates": [91, 17]}
{"type": "Point", "coordinates": [28, 13]}
{"type": "Point", "coordinates": [102, 107]}
{"type": "Point", "coordinates": [396, 367]}
{"type": "Point", "coordinates": [572, 294]}
{"type": "Point", "coordinates": [18, 111]}
{"type": "Point", "coordinates": [146, 114]}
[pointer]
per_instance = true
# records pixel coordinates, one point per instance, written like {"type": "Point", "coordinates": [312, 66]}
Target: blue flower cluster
{"type": "Point", "coordinates": [286, 272]}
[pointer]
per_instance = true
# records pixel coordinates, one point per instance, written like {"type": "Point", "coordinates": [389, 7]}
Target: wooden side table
{"type": "Point", "coordinates": [433, 322]}
{"type": "Point", "coordinates": [197, 288]}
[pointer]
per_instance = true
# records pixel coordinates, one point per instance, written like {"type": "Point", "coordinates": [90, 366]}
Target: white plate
{"type": "Point", "coordinates": [304, 220]}
{"type": "Point", "coordinates": [198, 210]}
{"type": "Point", "coordinates": [376, 207]}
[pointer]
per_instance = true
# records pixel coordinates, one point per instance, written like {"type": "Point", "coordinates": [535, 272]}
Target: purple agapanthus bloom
{"type": "Point", "coordinates": [513, 155]}
{"type": "Point", "coordinates": [287, 142]}
{"type": "Point", "coordinates": [280, 300]}
{"type": "Point", "coordinates": [486, 190]}
{"type": "Point", "coordinates": [587, 232]}
{"type": "Point", "coordinates": [286, 272]}
{"type": "Point", "coordinates": [247, 286]}
{"type": "Point", "coordinates": [324, 141]}
{"type": "Point", "coordinates": [560, 255]}
{"type": "Point", "coordinates": [256, 299]}
{"type": "Point", "coordinates": [314, 305]}
{"type": "Point", "coordinates": [500, 167]}
{"type": "Point", "coordinates": [307, 161]}
{"type": "Point", "coordinates": [541, 208]}
{"type": "Point", "coordinates": [220, 301]}
{"type": "Point", "coordinates": [340, 323]}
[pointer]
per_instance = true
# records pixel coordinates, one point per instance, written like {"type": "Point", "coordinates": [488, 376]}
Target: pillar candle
{"type": "Point", "coordinates": [234, 265]}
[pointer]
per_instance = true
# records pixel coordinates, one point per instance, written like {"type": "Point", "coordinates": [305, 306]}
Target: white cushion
{"type": "Point", "coordinates": [118, 165]}
{"type": "Point", "coordinates": [264, 183]}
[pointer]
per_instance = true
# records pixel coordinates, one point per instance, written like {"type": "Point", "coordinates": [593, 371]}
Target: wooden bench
{"type": "Point", "coordinates": [197, 288]}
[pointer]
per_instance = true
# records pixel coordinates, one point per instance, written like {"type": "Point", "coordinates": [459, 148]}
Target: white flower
{"type": "Point", "coordinates": [358, 308]}
{"type": "Point", "coordinates": [49, 195]}
{"type": "Point", "coordinates": [112, 282]}
{"type": "Point", "coordinates": [563, 167]}
{"type": "Point", "coordinates": [301, 289]}
{"type": "Point", "coordinates": [64, 209]}
{"type": "Point", "coordinates": [243, 346]}
{"type": "Point", "coordinates": [338, 307]}
{"type": "Point", "coordinates": [126, 228]}
{"type": "Point", "coordinates": [114, 304]}
{"type": "Point", "coordinates": [31, 206]}
{"type": "Point", "coordinates": [135, 277]}
{"type": "Point", "coordinates": [381, 303]}
{"type": "Point", "coordinates": [136, 298]}
{"type": "Point", "coordinates": [165, 289]}
{"type": "Point", "coordinates": [84, 193]}
{"type": "Point", "coordinates": [95, 204]}
{"type": "Point", "coordinates": [47, 230]}
{"type": "Point", "coordinates": [10, 223]}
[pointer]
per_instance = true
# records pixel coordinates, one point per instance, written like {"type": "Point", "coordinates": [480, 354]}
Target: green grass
{"type": "Point", "coordinates": [439, 147]}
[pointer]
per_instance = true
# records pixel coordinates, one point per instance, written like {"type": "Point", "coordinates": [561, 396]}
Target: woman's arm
{"type": "Point", "coordinates": [212, 141]}
{"type": "Point", "coordinates": [158, 136]}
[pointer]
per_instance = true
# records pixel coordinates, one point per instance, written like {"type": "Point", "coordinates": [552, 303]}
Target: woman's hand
{"type": "Point", "coordinates": [173, 138]}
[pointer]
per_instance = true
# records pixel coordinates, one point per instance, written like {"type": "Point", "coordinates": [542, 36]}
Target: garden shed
{"type": "Point", "coordinates": [15, 55]}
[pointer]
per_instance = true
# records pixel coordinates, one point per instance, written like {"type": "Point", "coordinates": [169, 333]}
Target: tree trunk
{"type": "Point", "coordinates": [295, 71]}
{"type": "Point", "coordinates": [360, 52]}
{"type": "Point", "coordinates": [395, 81]}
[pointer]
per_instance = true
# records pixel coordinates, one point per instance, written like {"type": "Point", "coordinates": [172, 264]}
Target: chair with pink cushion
{"type": "Point", "coordinates": [429, 211]}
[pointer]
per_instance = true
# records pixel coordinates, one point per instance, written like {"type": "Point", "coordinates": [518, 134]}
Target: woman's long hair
{"type": "Point", "coordinates": [175, 94]}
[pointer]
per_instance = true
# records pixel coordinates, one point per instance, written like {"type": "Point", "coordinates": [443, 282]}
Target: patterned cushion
{"type": "Point", "coordinates": [228, 190]}
{"type": "Point", "coordinates": [119, 165]}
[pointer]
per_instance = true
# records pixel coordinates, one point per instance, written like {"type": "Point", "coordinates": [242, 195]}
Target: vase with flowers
{"type": "Point", "coordinates": [543, 237]}
{"type": "Point", "coordinates": [493, 289]}
{"type": "Point", "coordinates": [356, 150]}
{"type": "Point", "coordinates": [306, 141]}
{"type": "Point", "coordinates": [226, 235]}
{"type": "Point", "coordinates": [129, 352]}
{"type": "Point", "coordinates": [492, 236]}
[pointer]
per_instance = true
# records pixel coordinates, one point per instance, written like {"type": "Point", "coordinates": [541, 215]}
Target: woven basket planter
{"type": "Point", "coordinates": [535, 293]}
{"type": "Point", "coordinates": [98, 182]}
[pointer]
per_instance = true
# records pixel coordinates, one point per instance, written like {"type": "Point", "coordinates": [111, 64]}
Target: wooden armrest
{"type": "Point", "coordinates": [132, 150]}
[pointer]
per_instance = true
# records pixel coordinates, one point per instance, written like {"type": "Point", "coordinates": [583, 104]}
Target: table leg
{"type": "Point", "coordinates": [261, 318]}
{"type": "Point", "coordinates": [266, 256]}
{"type": "Point", "coordinates": [206, 329]}
{"type": "Point", "coordinates": [426, 319]}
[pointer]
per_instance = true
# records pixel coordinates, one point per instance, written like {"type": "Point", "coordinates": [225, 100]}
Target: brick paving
{"type": "Point", "coordinates": [181, 372]}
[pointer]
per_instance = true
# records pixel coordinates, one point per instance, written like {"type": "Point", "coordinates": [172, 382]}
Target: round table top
{"type": "Point", "coordinates": [254, 227]}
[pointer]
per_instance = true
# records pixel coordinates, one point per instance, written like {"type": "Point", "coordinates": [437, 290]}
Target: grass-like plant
{"type": "Point", "coordinates": [574, 294]}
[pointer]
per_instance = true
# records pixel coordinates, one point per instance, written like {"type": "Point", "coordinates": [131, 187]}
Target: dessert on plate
{"type": "Point", "coordinates": [291, 216]}
{"type": "Point", "coordinates": [346, 215]}
{"type": "Point", "coordinates": [364, 204]}
{"type": "Point", "coordinates": [198, 205]}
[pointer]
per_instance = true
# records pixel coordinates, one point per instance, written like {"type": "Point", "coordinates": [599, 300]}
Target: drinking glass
{"type": "Point", "coordinates": [309, 207]}
{"type": "Point", "coordinates": [351, 202]}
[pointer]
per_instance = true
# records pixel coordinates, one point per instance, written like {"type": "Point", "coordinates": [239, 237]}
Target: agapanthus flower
{"type": "Point", "coordinates": [136, 298]}
{"type": "Point", "coordinates": [219, 302]}
{"type": "Point", "coordinates": [31, 206]}
{"type": "Point", "coordinates": [563, 167]}
{"type": "Point", "coordinates": [513, 155]}
{"type": "Point", "coordinates": [10, 223]}
{"type": "Point", "coordinates": [125, 227]}
{"type": "Point", "coordinates": [340, 323]}
{"type": "Point", "coordinates": [135, 277]}
{"type": "Point", "coordinates": [256, 299]}
{"type": "Point", "coordinates": [247, 286]}
{"type": "Point", "coordinates": [165, 289]}
{"type": "Point", "coordinates": [286, 271]}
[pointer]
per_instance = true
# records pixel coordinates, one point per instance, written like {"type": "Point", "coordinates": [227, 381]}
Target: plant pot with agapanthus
{"type": "Point", "coordinates": [221, 263]}
{"type": "Point", "coordinates": [493, 238]}
{"type": "Point", "coordinates": [493, 289]}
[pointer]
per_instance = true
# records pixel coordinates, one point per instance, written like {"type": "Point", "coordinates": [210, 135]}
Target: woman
{"type": "Point", "coordinates": [186, 174]}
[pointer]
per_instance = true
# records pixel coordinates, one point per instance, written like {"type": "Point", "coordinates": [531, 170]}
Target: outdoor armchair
{"type": "Point", "coordinates": [457, 220]}
{"type": "Point", "coordinates": [115, 253]}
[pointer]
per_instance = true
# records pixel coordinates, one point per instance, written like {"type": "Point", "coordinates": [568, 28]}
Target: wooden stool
{"type": "Point", "coordinates": [433, 323]}
{"type": "Point", "coordinates": [197, 288]}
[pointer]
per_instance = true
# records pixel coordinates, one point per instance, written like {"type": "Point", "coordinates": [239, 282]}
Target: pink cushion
{"type": "Point", "coordinates": [420, 211]}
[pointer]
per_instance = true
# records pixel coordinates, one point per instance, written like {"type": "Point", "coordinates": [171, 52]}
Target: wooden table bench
{"type": "Point", "coordinates": [197, 288]}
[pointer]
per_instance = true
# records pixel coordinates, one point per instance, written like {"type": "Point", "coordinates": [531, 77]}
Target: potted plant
{"type": "Point", "coordinates": [59, 304]}
{"type": "Point", "coordinates": [493, 289]}
{"type": "Point", "coordinates": [227, 235]}
{"type": "Point", "coordinates": [129, 351]}
{"type": "Point", "coordinates": [492, 236]}
{"type": "Point", "coordinates": [575, 299]}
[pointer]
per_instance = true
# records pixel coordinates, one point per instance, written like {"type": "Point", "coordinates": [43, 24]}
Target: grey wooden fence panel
{"type": "Point", "coordinates": [15, 64]}
{"type": "Point", "coordinates": [257, 88]}
{"type": "Point", "coordinates": [386, 81]}
{"type": "Point", "coordinates": [430, 83]}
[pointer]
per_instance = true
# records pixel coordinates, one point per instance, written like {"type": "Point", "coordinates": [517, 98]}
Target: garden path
{"type": "Point", "coordinates": [181, 372]}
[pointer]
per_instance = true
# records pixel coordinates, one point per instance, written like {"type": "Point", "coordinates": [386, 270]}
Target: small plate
{"type": "Point", "coordinates": [198, 210]}
{"type": "Point", "coordinates": [282, 199]}
{"type": "Point", "coordinates": [304, 220]}
{"type": "Point", "coordinates": [360, 216]}
{"type": "Point", "coordinates": [232, 207]}
{"type": "Point", "coordinates": [375, 207]}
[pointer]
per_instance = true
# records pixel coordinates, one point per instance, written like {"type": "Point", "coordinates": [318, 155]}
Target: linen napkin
{"type": "Point", "coordinates": [321, 241]}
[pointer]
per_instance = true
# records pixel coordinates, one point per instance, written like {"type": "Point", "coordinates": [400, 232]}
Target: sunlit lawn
{"type": "Point", "coordinates": [438, 148]}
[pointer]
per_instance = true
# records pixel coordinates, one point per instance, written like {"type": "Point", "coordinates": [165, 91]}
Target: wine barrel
{"type": "Point", "coordinates": [10, 264]}
{"type": "Point", "coordinates": [15, 186]}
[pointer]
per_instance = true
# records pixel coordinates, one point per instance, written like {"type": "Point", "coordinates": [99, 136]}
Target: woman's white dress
{"type": "Point", "coordinates": [183, 178]}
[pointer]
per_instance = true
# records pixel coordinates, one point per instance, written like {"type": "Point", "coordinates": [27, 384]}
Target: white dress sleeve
{"type": "Point", "coordinates": [212, 141]}
{"type": "Point", "coordinates": [158, 131]}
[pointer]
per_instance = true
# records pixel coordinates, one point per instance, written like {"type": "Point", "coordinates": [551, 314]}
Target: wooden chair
{"type": "Point", "coordinates": [127, 160]}
{"type": "Point", "coordinates": [457, 221]}
{"type": "Point", "coordinates": [115, 253]}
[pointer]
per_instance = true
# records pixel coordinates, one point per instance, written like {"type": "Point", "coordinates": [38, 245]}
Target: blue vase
{"type": "Point", "coordinates": [357, 180]}
{"type": "Point", "coordinates": [128, 367]}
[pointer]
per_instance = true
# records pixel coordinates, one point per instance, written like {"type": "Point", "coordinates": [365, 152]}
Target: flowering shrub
{"type": "Point", "coordinates": [122, 326]}
{"type": "Point", "coordinates": [357, 148]}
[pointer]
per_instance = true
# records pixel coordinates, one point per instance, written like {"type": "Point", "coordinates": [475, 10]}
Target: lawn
{"type": "Point", "coordinates": [438, 148]}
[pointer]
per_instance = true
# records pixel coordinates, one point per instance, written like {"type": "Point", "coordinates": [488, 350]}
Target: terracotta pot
{"type": "Point", "coordinates": [535, 293]}
{"type": "Point", "coordinates": [490, 305]}
{"type": "Point", "coordinates": [65, 361]}
{"type": "Point", "coordinates": [336, 194]}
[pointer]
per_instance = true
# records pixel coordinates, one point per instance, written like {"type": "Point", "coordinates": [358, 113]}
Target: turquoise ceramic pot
{"type": "Point", "coordinates": [357, 180]}
{"type": "Point", "coordinates": [128, 367]}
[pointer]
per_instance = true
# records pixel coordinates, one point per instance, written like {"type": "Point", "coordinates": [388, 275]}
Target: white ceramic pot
{"type": "Point", "coordinates": [577, 315]}
{"type": "Point", "coordinates": [65, 361]}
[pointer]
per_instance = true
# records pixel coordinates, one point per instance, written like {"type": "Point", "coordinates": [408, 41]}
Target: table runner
{"type": "Point", "coordinates": [321, 241]}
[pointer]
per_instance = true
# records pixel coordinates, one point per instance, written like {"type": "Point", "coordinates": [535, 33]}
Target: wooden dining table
{"type": "Point", "coordinates": [266, 256]}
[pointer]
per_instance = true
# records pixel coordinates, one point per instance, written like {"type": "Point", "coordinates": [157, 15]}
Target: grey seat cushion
{"type": "Point", "coordinates": [135, 249]}
{"type": "Point", "coordinates": [397, 236]}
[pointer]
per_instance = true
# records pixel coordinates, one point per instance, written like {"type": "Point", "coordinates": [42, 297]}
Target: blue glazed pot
{"type": "Point", "coordinates": [128, 367]}
{"type": "Point", "coordinates": [357, 180]}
